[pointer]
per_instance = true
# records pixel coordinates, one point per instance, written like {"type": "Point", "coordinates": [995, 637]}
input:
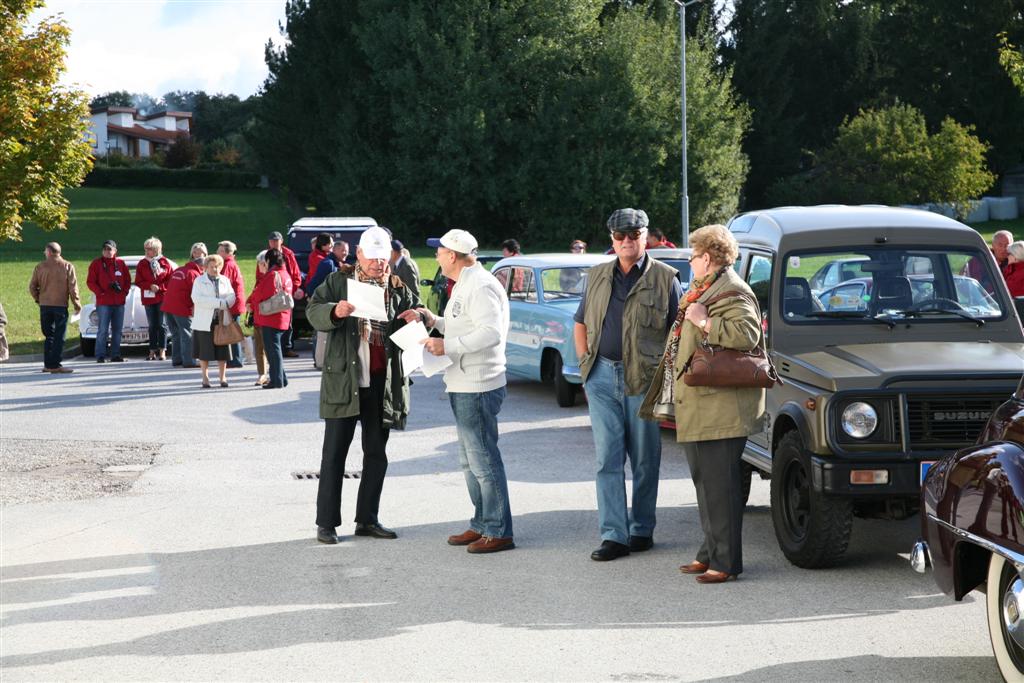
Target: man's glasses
{"type": "Point", "coordinates": [577, 247]}
{"type": "Point", "coordinates": [619, 235]}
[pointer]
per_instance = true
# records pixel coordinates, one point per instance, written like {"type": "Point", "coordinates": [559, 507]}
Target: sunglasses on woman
{"type": "Point", "coordinates": [619, 235]}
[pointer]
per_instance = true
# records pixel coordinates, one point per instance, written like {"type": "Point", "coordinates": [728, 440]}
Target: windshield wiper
{"type": "Point", "coordinates": [911, 312]}
{"type": "Point", "coordinates": [850, 315]}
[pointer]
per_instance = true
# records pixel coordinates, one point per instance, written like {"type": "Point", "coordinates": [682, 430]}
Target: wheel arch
{"type": "Point", "coordinates": [790, 417]}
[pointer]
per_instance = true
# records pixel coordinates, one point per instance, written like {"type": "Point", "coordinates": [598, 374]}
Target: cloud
{"type": "Point", "coordinates": [155, 46]}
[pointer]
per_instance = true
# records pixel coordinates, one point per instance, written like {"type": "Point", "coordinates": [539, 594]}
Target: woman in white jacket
{"type": "Point", "coordinates": [211, 293]}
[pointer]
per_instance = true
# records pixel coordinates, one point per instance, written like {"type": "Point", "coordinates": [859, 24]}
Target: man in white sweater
{"type": "Point", "coordinates": [475, 327]}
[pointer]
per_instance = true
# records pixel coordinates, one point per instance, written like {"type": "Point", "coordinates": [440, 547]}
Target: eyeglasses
{"type": "Point", "coordinates": [695, 256]}
{"type": "Point", "coordinates": [577, 247]}
{"type": "Point", "coordinates": [619, 235]}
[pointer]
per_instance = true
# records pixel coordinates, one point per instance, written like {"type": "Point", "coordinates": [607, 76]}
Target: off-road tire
{"type": "Point", "coordinates": [565, 391]}
{"type": "Point", "coordinates": [813, 529]}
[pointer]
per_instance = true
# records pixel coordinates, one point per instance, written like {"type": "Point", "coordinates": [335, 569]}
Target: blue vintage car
{"type": "Point", "coordinates": [544, 292]}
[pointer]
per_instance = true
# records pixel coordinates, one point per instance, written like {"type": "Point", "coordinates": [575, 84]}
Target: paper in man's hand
{"type": "Point", "coordinates": [368, 301]}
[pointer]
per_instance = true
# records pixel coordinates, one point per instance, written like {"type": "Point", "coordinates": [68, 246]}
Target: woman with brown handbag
{"type": "Point", "coordinates": [712, 422]}
{"type": "Point", "coordinates": [211, 294]}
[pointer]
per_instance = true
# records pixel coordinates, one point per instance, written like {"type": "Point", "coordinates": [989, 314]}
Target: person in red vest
{"type": "Point", "coordinates": [1014, 270]}
{"type": "Point", "coordinates": [233, 273]}
{"type": "Point", "coordinates": [109, 281]}
{"type": "Point", "coordinates": [275, 240]}
{"type": "Point", "coordinates": [151, 276]}
{"type": "Point", "coordinates": [656, 240]}
{"type": "Point", "coordinates": [272, 325]}
{"type": "Point", "coordinates": [177, 307]}
{"type": "Point", "coordinates": [322, 246]}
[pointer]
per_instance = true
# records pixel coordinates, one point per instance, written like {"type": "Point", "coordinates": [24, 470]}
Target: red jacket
{"type": "Point", "coordinates": [103, 273]}
{"type": "Point", "coordinates": [178, 296]}
{"type": "Point", "coordinates": [1014, 274]}
{"type": "Point", "coordinates": [265, 289]}
{"type": "Point", "coordinates": [234, 275]}
{"type": "Point", "coordinates": [291, 264]}
{"type": "Point", "coordinates": [144, 279]}
{"type": "Point", "coordinates": [315, 257]}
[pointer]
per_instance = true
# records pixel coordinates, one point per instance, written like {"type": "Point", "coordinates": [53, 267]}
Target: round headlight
{"type": "Point", "coordinates": [859, 420]}
{"type": "Point", "coordinates": [94, 318]}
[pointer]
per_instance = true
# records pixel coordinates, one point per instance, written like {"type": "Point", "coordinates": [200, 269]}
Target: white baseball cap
{"type": "Point", "coordinates": [375, 243]}
{"type": "Point", "coordinates": [456, 240]}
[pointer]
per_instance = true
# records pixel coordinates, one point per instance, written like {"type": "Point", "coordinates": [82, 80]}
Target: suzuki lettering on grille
{"type": "Point", "coordinates": [960, 415]}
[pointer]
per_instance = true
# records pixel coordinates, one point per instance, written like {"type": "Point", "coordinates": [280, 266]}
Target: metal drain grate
{"type": "Point", "coordinates": [315, 474]}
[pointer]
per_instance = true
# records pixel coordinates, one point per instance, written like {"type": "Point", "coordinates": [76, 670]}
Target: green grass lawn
{"type": "Point", "coordinates": [129, 217]}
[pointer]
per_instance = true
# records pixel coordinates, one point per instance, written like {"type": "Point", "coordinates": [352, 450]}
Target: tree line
{"type": "Point", "coordinates": [536, 119]}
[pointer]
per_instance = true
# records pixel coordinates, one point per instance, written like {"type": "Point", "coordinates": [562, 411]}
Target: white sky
{"type": "Point", "coordinates": [155, 46]}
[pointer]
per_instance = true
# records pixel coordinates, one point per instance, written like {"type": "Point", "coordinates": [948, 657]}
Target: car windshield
{"type": "Point", "coordinates": [564, 283]}
{"type": "Point", "coordinates": [889, 283]}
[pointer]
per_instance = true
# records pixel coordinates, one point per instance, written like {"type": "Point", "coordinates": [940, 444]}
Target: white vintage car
{"type": "Point", "coordinates": [134, 332]}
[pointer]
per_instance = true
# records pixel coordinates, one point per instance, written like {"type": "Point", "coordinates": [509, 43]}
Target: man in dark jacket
{"type": "Point", "coordinates": [362, 382]}
{"type": "Point", "coordinates": [110, 280]}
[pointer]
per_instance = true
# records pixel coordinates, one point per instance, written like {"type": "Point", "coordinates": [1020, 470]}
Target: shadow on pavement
{"type": "Point", "coordinates": [874, 668]}
{"type": "Point", "coordinates": [366, 589]}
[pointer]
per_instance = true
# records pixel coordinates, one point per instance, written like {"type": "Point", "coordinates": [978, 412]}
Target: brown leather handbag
{"type": "Point", "coordinates": [227, 331]}
{"type": "Point", "coordinates": [717, 366]}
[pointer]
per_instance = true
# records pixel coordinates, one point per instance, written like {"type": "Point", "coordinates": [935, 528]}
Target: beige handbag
{"type": "Point", "coordinates": [228, 331]}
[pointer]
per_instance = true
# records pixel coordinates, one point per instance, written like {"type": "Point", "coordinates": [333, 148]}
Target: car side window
{"type": "Point", "coordinates": [501, 275]}
{"type": "Point", "coordinates": [523, 286]}
{"type": "Point", "coordinates": [759, 277]}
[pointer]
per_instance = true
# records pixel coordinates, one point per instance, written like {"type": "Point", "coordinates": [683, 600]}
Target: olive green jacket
{"type": "Point", "coordinates": [643, 317]}
{"type": "Point", "coordinates": [339, 383]}
{"type": "Point", "coordinates": [709, 413]}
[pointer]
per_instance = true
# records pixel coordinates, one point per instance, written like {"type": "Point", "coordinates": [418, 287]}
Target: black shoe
{"type": "Point", "coordinates": [117, 359]}
{"type": "Point", "coordinates": [326, 534]}
{"type": "Point", "coordinates": [101, 360]}
{"type": "Point", "coordinates": [176, 365]}
{"type": "Point", "coordinates": [235, 364]}
{"type": "Point", "coordinates": [609, 550]}
{"type": "Point", "coordinates": [638, 544]}
{"type": "Point", "coordinates": [375, 530]}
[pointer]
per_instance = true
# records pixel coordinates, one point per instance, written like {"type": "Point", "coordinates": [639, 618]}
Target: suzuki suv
{"type": "Point", "coordinates": [882, 373]}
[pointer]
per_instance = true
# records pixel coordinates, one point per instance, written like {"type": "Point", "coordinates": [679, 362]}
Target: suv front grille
{"type": "Point", "coordinates": [937, 422]}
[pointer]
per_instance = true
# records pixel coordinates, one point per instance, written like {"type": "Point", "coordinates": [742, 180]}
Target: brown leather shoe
{"type": "Point", "coordinates": [694, 567]}
{"type": "Point", "coordinates": [465, 538]}
{"type": "Point", "coordinates": [711, 576]}
{"type": "Point", "coordinates": [490, 544]}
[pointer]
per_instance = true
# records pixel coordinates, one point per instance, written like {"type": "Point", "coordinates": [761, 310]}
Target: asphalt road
{"type": "Point", "coordinates": [207, 568]}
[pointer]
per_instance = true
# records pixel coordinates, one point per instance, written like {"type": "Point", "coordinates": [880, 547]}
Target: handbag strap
{"type": "Point", "coordinates": [733, 293]}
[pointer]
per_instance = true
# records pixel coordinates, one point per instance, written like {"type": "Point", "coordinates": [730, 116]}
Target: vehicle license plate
{"type": "Point", "coordinates": [925, 466]}
{"type": "Point", "coordinates": [134, 337]}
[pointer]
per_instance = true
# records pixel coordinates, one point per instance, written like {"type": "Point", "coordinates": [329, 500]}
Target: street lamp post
{"type": "Point", "coordinates": [684, 190]}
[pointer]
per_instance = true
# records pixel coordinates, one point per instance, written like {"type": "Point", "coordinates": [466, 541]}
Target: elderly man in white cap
{"type": "Point", "coordinates": [362, 382]}
{"type": "Point", "coordinates": [475, 327]}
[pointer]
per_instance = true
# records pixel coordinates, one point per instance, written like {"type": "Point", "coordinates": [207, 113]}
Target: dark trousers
{"type": "Point", "coordinates": [157, 331]}
{"type": "Point", "coordinates": [54, 322]}
{"type": "Point", "coordinates": [337, 438]}
{"type": "Point", "coordinates": [716, 473]}
{"type": "Point", "coordinates": [275, 359]}
{"type": "Point", "coordinates": [286, 339]}
{"type": "Point", "coordinates": [236, 350]}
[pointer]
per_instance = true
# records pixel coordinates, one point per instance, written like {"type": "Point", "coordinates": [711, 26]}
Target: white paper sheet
{"type": "Point", "coordinates": [414, 355]}
{"type": "Point", "coordinates": [75, 317]}
{"type": "Point", "coordinates": [148, 294]}
{"type": "Point", "coordinates": [368, 300]}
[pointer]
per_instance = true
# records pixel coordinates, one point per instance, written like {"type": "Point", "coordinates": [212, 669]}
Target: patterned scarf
{"type": "Point", "coordinates": [154, 265]}
{"type": "Point", "coordinates": [372, 331]}
{"type": "Point", "coordinates": [697, 288]}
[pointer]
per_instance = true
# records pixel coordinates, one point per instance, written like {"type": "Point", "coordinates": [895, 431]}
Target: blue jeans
{"type": "Point", "coordinates": [181, 339]}
{"type": "Point", "coordinates": [157, 331]}
{"type": "Point", "coordinates": [476, 419]}
{"type": "Point", "coordinates": [275, 357]}
{"type": "Point", "coordinates": [111, 324]}
{"type": "Point", "coordinates": [54, 322]}
{"type": "Point", "coordinates": [618, 434]}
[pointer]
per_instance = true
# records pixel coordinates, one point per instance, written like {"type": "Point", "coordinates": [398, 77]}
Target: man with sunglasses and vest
{"type": "Point", "coordinates": [621, 323]}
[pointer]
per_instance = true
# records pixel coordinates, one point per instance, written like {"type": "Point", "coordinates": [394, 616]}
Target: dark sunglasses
{"type": "Point", "coordinates": [619, 235]}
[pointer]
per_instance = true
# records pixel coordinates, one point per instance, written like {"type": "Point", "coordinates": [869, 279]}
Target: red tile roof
{"type": "Point", "coordinates": [147, 133]}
